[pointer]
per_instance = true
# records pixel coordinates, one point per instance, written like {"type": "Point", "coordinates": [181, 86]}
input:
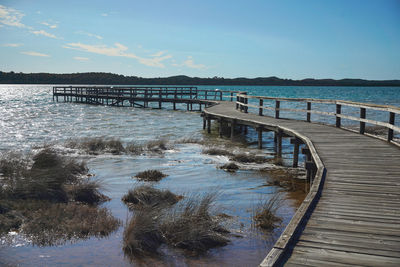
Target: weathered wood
{"type": "Point", "coordinates": [362, 116]}
{"type": "Point", "coordinates": [259, 131]}
{"type": "Point", "coordinates": [391, 121]}
{"type": "Point", "coordinates": [308, 112]}
{"type": "Point", "coordinates": [359, 203]}
{"type": "Point", "coordinates": [277, 106]}
{"type": "Point", "coordinates": [338, 111]}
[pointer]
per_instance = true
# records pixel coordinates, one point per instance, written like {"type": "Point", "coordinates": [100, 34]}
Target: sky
{"type": "Point", "coordinates": [204, 38]}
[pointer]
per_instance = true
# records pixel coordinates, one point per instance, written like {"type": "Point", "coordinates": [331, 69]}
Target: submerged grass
{"type": "Point", "coordinates": [248, 158]}
{"type": "Point", "coordinates": [230, 167]}
{"type": "Point", "coordinates": [97, 145]}
{"type": "Point", "coordinates": [190, 225]}
{"type": "Point", "coordinates": [46, 195]}
{"type": "Point", "coordinates": [217, 152]}
{"type": "Point", "coordinates": [264, 214]}
{"type": "Point", "coordinates": [148, 197]}
{"type": "Point", "coordinates": [150, 175]}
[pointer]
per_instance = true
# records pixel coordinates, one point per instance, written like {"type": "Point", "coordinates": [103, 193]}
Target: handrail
{"type": "Point", "coordinates": [243, 105]}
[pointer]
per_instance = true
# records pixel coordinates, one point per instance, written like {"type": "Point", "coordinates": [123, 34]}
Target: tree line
{"type": "Point", "coordinates": [101, 78]}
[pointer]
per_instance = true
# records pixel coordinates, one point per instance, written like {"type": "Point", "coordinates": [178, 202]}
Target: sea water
{"type": "Point", "coordinates": [30, 118]}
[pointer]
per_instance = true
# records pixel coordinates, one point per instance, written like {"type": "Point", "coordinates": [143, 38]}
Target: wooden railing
{"type": "Point", "coordinates": [242, 103]}
{"type": "Point", "coordinates": [145, 92]}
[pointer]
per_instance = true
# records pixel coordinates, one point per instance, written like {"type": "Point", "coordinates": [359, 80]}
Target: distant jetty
{"type": "Point", "coordinates": [101, 78]}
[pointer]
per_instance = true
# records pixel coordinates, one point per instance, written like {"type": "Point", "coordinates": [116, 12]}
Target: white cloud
{"type": "Point", "coordinates": [104, 15]}
{"type": "Point", "coordinates": [158, 54]}
{"type": "Point", "coordinates": [35, 54]}
{"type": "Point", "coordinates": [190, 64]}
{"type": "Point", "coordinates": [12, 45]}
{"type": "Point", "coordinates": [118, 51]}
{"type": "Point", "coordinates": [11, 17]}
{"type": "Point", "coordinates": [51, 26]}
{"type": "Point", "coordinates": [81, 58]}
{"type": "Point", "coordinates": [89, 34]}
{"type": "Point", "coordinates": [44, 33]}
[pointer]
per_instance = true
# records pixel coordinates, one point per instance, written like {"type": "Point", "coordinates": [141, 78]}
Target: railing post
{"type": "Point", "coordinates": [260, 109]}
{"type": "Point", "coordinates": [391, 121]}
{"type": "Point", "coordinates": [338, 112]}
{"type": "Point", "coordinates": [246, 100]}
{"type": "Point", "coordinates": [362, 123]}
{"type": "Point", "coordinates": [308, 113]}
{"type": "Point", "coordinates": [277, 106]}
{"type": "Point", "coordinates": [160, 102]}
{"type": "Point", "coordinates": [237, 101]}
{"type": "Point", "coordinates": [231, 97]}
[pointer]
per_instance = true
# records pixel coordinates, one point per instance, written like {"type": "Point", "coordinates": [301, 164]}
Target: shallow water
{"type": "Point", "coordinates": [30, 118]}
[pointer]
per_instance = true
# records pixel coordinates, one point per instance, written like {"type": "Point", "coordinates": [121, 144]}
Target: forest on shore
{"type": "Point", "coordinates": [102, 78]}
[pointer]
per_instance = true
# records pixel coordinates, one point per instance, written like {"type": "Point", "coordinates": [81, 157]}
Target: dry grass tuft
{"type": "Point", "coordinates": [148, 197]}
{"type": "Point", "coordinates": [150, 175]}
{"type": "Point", "coordinates": [191, 226]}
{"type": "Point", "coordinates": [97, 145]}
{"type": "Point", "coordinates": [157, 145]}
{"type": "Point", "coordinates": [249, 158]}
{"type": "Point", "coordinates": [230, 167]}
{"type": "Point", "coordinates": [142, 236]}
{"type": "Point", "coordinates": [265, 213]}
{"type": "Point", "coordinates": [43, 195]}
{"type": "Point", "coordinates": [217, 152]}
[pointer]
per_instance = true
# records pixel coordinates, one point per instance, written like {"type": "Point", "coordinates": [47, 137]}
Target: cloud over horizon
{"type": "Point", "coordinates": [119, 51]}
{"type": "Point", "coordinates": [34, 54]}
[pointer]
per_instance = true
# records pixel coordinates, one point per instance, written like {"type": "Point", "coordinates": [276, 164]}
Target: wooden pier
{"type": "Point", "coordinates": [139, 96]}
{"type": "Point", "coordinates": [351, 215]}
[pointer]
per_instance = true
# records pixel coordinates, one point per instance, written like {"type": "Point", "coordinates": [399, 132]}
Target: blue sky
{"type": "Point", "coordinates": [159, 38]}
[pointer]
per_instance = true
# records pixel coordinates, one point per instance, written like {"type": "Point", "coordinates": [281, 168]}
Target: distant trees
{"type": "Point", "coordinates": [115, 79]}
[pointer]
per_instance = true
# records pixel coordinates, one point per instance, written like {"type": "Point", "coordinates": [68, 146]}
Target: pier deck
{"type": "Point", "coordinates": [354, 216]}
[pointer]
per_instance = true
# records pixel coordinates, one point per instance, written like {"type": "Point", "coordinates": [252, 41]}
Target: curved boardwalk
{"type": "Point", "coordinates": [356, 220]}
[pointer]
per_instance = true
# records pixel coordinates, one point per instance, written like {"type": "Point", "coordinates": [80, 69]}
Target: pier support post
{"type": "Point", "coordinates": [233, 124]}
{"type": "Point", "coordinates": [308, 113]}
{"type": "Point", "coordinates": [259, 131]}
{"type": "Point", "coordinates": [296, 142]}
{"type": "Point", "coordinates": [279, 143]}
{"type": "Point", "coordinates": [245, 129]}
{"type": "Point", "coordinates": [208, 125]}
{"type": "Point", "coordinates": [220, 127]}
{"type": "Point", "coordinates": [204, 122]}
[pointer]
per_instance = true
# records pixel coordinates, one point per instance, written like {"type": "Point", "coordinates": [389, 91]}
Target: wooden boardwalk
{"type": "Point", "coordinates": [353, 218]}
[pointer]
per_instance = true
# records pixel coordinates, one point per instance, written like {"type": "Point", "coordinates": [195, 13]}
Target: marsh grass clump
{"type": "Point", "coordinates": [141, 236]}
{"type": "Point", "coordinates": [150, 175]}
{"type": "Point", "coordinates": [134, 148]}
{"type": "Point", "coordinates": [264, 214]}
{"type": "Point", "coordinates": [192, 227]}
{"type": "Point", "coordinates": [97, 145]}
{"type": "Point", "coordinates": [157, 145]}
{"type": "Point", "coordinates": [230, 167]}
{"type": "Point", "coordinates": [286, 179]}
{"type": "Point", "coordinates": [249, 158]}
{"type": "Point", "coordinates": [217, 152]}
{"type": "Point", "coordinates": [145, 197]}
{"type": "Point", "coordinates": [53, 224]}
{"type": "Point", "coordinates": [46, 195]}
{"type": "Point", "coordinates": [87, 192]}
